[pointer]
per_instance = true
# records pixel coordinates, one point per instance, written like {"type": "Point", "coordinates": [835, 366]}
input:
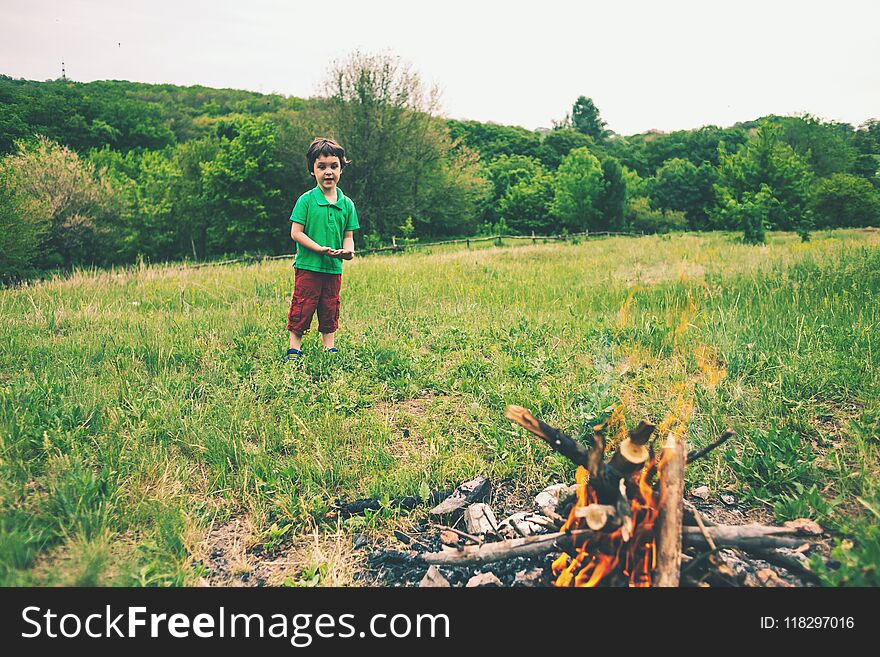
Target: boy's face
{"type": "Point", "coordinates": [326, 171]}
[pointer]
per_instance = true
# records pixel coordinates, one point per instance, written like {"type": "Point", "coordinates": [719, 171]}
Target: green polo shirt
{"type": "Point", "coordinates": [325, 223]}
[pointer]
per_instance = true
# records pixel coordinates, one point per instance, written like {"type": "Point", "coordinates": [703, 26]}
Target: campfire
{"type": "Point", "coordinates": [625, 522]}
{"type": "Point", "coordinates": [618, 507]}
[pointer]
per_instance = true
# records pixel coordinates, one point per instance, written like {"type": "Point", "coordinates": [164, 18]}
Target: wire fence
{"type": "Point", "coordinates": [394, 247]}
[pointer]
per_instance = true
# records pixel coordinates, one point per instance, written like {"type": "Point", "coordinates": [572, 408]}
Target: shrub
{"type": "Point", "coordinates": [773, 466]}
{"type": "Point", "coordinates": [641, 217]}
{"type": "Point", "coordinates": [24, 224]}
{"type": "Point", "coordinates": [845, 200]}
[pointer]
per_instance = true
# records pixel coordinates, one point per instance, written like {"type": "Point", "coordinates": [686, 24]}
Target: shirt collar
{"type": "Point", "coordinates": [320, 199]}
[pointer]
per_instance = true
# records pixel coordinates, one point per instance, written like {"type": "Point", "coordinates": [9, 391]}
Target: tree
{"type": "Point", "coordinates": [639, 216]}
{"type": "Point", "coordinates": [680, 185]}
{"type": "Point", "coordinates": [845, 200]}
{"type": "Point", "coordinates": [403, 164]}
{"type": "Point", "coordinates": [578, 186]}
{"type": "Point", "coordinates": [767, 160]}
{"type": "Point", "coordinates": [611, 201]}
{"type": "Point", "coordinates": [491, 140]}
{"type": "Point", "coordinates": [527, 205]}
{"type": "Point", "coordinates": [752, 213]}
{"type": "Point", "coordinates": [24, 224]}
{"type": "Point", "coordinates": [239, 187]}
{"type": "Point", "coordinates": [78, 199]}
{"type": "Point", "coordinates": [827, 147]}
{"type": "Point", "coordinates": [560, 142]}
{"type": "Point", "coordinates": [586, 120]}
{"type": "Point", "coordinates": [696, 146]}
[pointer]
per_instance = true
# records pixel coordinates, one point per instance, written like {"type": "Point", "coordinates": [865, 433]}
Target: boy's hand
{"type": "Point", "coordinates": [346, 254]}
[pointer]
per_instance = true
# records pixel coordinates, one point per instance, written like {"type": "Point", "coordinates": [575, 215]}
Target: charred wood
{"type": "Point", "coordinates": [746, 537]}
{"type": "Point", "coordinates": [723, 438]}
{"type": "Point", "coordinates": [518, 547]}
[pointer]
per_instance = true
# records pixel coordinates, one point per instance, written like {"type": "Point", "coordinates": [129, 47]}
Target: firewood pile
{"type": "Point", "coordinates": [624, 522]}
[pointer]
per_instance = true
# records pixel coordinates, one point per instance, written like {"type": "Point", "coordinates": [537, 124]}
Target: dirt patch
{"type": "Point", "coordinates": [233, 557]}
{"type": "Point", "coordinates": [404, 418]}
{"type": "Point", "coordinates": [730, 514]}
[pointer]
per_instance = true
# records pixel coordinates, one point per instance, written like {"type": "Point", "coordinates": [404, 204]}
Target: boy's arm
{"type": "Point", "coordinates": [347, 251]}
{"type": "Point", "coordinates": [299, 236]}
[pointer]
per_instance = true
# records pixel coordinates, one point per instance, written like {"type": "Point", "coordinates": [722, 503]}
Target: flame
{"type": "Point", "coordinates": [601, 555]}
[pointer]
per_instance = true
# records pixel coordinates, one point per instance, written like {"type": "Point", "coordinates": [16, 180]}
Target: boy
{"type": "Point", "coordinates": [323, 221]}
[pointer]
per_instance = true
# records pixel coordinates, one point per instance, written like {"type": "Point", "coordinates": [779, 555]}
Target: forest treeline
{"type": "Point", "coordinates": [108, 172]}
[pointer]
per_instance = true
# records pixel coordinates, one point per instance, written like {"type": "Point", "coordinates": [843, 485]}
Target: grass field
{"type": "Point", "coordinates": [137, 408]}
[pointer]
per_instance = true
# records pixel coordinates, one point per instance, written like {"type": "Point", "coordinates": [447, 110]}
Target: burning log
{"type": "Point", "coordinates": [758, 538]}
{"type": "Point", "coordinates": [599, 516]}
{"type": "Point", "coordinates": [669, 521]}
{"type": "Point", "coordinates": [633, 453]}
{"type": "Point", "coordinates": [604, 477]}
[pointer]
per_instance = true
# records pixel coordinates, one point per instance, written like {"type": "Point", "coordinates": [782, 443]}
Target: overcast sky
{"type": "Point", "coordinates": [652, 64]}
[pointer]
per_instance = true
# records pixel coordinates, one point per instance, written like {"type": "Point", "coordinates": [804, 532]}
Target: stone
{"type": "Point", "coordinates": [434, 579]}
{"type": "Point", "coordinates": [480, 519]}
{"type": "Point", "coordinates": [467, 493]}
{"type": "Point", "coordinates": [701, 492]}
{"type": "Point", "coordinates": [483, 579]}
{"type": "Point", "coordinates": [522, 524]}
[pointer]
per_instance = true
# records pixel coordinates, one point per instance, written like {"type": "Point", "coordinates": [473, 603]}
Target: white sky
{"type": "Point", "coordinates": [663, 64]}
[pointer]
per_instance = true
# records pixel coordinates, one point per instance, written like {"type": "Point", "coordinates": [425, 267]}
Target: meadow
{"type": "Point", "coordinates": [141, 408]}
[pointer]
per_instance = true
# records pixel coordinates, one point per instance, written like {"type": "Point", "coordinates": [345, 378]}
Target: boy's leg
{"type": "Point", "coordinates": [303, 303]}
{"type": "Point", "coordinates": [328, 309]}
{"type": "Point", "coordinates": [295, 341]}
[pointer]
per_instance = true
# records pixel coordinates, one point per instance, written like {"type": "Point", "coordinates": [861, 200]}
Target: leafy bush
{"type": "Point", "coordinates": [846, 200]}
{"type": "Point", "coordinates": [773, 466]}
{"type": "Point", "coordinates": [641, 217]}
{"type": "Point", "coordinates": [24, 224]}
{"type": "Point", "coordinates": [81, 203]}
{"type": "Point", "coordinates": [853, 562]}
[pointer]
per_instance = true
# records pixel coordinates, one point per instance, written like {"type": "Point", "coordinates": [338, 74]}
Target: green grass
{"type": "Point", "coordinates": [138, 407]}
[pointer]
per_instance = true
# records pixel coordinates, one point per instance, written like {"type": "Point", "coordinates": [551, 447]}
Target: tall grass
{"type": "Point", "coordinates": [138, 407]}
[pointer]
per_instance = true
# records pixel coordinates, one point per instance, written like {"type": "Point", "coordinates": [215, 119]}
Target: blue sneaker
{"type": "Point", "coordinates": [293, 355]}
{"type": "Point", "coordinates": [332, 350]}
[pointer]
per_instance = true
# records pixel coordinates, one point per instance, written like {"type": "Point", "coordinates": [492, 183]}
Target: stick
{"type": "Point", "coordinates": [632, 454]}
{"type": "Point", "coordinates": [561, 443]}
{"type": "Point", "coordinates": [470, 537]}
{"type": "Point", "coordinates": [690, 507]}
{"type": "Point", "coordinates": [517, 547]}
{"type": "Point", "coordinates": [604, 479]}
{"type": "Point", "coordinates": [723, 438]}
{"type": "Point", "coordinates": [669, 520]}
{"type": "Point", "coordinates": [745, 537]}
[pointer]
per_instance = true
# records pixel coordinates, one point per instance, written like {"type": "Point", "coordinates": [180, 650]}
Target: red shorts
{"type": "Point", "coordinates": [313, 290]}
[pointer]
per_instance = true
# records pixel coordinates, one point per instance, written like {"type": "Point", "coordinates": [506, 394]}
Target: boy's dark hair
{"type": "Point", "coordinates": [323, 146]}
